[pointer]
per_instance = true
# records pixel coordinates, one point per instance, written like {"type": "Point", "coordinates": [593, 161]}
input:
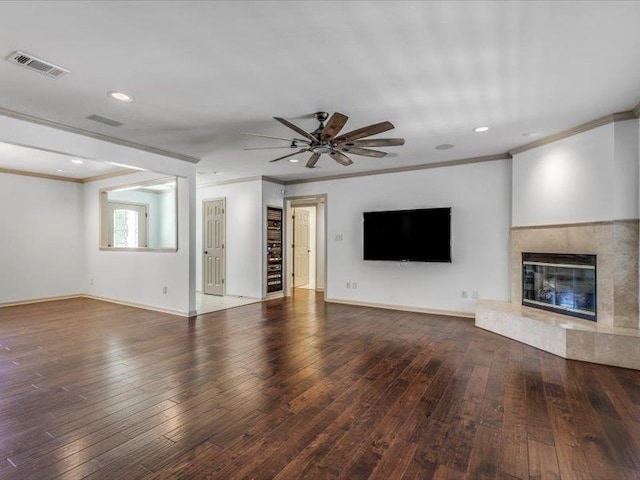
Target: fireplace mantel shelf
{"type": "Point", "coordinates": [561, 335]}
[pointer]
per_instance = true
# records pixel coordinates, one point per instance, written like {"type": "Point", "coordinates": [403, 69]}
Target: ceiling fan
{"type": "Point", "coordinates": [324, 139]}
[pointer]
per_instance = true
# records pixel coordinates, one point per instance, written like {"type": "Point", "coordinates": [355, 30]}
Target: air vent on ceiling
{"type": "Point", "coordinates": [37, 64]}
{"type": "Point", "coordinates": [105, 120]}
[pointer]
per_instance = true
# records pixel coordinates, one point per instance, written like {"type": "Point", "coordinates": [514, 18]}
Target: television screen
{"type": "Point", "coordinates": [422, 235]}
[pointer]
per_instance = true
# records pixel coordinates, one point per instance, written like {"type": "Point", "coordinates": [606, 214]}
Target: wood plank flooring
{"type": "Point", "coordinates": [299, 389]}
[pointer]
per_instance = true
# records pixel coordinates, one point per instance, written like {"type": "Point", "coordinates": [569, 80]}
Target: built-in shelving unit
{"type": "Point", "coordinates": [274, 249]}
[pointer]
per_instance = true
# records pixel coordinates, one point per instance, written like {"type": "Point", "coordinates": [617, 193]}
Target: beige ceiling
{"type": "Point", "coordinates": [204, 72]}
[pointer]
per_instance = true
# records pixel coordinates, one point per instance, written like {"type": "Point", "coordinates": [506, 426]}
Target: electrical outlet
{"type": "Point", "coordinates": [348, 285]}
{"type": "Point", "coordinates": [354, 285]}
{"type": "Point", "coordinates": [474, 295]}
{"type": "Point", "coordinates": [465, 294]}
{"type": "Point", "coordinates": [164, 290]}
{"type": "Point", "coordinates": [338, 237]}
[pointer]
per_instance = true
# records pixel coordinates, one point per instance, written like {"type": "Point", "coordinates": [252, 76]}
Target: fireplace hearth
{"type": "Point", "coordinates": [561, 283]}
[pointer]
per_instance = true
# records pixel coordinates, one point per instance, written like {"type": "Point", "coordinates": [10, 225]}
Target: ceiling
{"type": "Point", "coordinates": [21, 158]}
{"type": "Point", "coordinates": [204, 72]}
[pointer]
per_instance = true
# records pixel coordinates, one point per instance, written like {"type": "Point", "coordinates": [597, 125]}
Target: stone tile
{"type": "Point", "coordinates": [580, 345]}
{"type": "Point", "coordinates": [604, 239]}
{"type": "Point", "coordinates": [582, 239]}
{"type": "Point", "coordinates": [626, 236]}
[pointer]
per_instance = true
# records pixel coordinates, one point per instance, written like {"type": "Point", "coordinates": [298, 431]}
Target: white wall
{"type": "Point", "coordinates": [41, 239]}
{"type": "Point", "coordinates": [626, 170]}
{"type": "Point", "coordinates": [167, 224]}
{"type": "Point", "coordinates": [480, 197]}
{"type": "Point", "coordinates": [134, 277]}
{"type": "Point", "coordinates": [592, 176]}
{"type": "Point", "coordinates": [138, 277]}
{"type": "Point", "coordinates": [243, 236]}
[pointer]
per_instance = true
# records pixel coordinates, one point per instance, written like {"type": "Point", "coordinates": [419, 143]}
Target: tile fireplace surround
{"type": "Point", "coordinates": [615, 338]}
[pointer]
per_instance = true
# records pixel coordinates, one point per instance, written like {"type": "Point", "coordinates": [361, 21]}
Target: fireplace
{"type": "Point", "coordinates": [561, 283]}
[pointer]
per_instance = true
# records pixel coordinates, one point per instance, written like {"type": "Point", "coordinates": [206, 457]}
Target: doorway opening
{"type": "Point", "coordinates": [306, 260]}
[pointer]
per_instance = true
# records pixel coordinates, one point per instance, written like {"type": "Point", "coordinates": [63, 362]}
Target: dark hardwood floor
{"type": "Point", "coordinates": [296, 388]}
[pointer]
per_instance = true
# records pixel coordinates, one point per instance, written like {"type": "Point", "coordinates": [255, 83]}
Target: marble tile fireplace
{"type": "Point", "coordinates": [574, 292]}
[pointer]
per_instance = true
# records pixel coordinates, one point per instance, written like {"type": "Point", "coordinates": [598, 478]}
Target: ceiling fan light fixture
{"type": "Point", "coordinates": [321, 149]}
{"type": "Point", "coordinates": [326, 140]}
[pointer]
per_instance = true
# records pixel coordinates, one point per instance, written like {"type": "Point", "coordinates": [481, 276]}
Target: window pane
{"type": "Point", "coordinates": [125, 228]}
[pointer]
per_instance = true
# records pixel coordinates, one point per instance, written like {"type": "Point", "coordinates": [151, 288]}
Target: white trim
{"type": "Point", "coordinates": [179, 313]}
{"type": "Point", "coordinates": [402, 308]}
{"type": "Point", "coordinates": [102, 299]}
{"type": "Point", "coordinates": [40, 300]}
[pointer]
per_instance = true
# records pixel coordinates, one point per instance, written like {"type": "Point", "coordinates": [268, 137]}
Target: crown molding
{"type": "Point", "coordinates": [598, 122]}
{"type": "Point", "coordinates": [410, 168]}
{"type": "Point", "coordinates": [273, 180]}
{"type": "Point", "coordinates": [11, 171]}
{"type": "Point", "coordinates": [60, 178]}
{"type": "Point", "coordinates": [98, 136]}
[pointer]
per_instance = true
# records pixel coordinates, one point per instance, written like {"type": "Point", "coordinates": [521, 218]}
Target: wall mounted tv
{"type": "Point", "coordinates": [422, 235]}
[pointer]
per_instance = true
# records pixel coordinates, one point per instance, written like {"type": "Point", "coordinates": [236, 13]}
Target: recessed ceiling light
{"type": "Point", "coordinates": [529, 134]}
{"type": "Point", "coordinates": [58, 170]}
{"type": "Point", "coordinates": [77, 161]}
{"type": "Point", "coordinates": [121, 96]}
{"type": "Point", "coordinates": [480, 129]}
{"type": "Point", "coordinates": [294, 160]}
{"type": "Point", "coordinates": [444, 146]}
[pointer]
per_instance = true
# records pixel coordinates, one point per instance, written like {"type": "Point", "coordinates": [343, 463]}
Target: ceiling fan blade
{"type": "Point", "coordinates": [313, 160]}
{"type": "Point", "coordinates": [296, 128]}
{"type": "Point", "coordinates": [376, 142]}
{"type": "Point", "coordinates": [290, 155]}
{"type": "Point", "coordinates": [267, 148]}
{"type": "Point", "coordinates": [340, 158]}
{"type": "Point", "coordinates": [365, 132]}
{"type": "Point", "coordinates": [275, 138]}
{"type": "Point", "coordinates": [364, 152]}
{"type": "Point", "coordinates": [334, 125]}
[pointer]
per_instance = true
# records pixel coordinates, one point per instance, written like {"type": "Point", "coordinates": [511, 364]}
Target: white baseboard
{"type": "Point", "coordinates": [144, 307]}
{"type": "Point", "coordinates": [40, 300]}
{"type": "Point", "coordinates": [402, 308]}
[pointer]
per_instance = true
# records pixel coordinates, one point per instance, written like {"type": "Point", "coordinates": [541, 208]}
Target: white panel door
{"type": "Point", "coordinates": [213, 258]}
{"type": "Point", "coordinates": [301, 248]}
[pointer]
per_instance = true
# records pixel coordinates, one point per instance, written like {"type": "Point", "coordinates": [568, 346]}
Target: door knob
{"type": "Point", "coordinates": [206, 253]}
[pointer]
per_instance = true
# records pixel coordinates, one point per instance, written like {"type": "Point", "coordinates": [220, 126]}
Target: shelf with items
{"type": "Point", "coordinates": [274, 249]}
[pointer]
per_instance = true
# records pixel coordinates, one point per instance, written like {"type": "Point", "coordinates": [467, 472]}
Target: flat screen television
{"type": "Point", "coordinates": [422, 235]}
